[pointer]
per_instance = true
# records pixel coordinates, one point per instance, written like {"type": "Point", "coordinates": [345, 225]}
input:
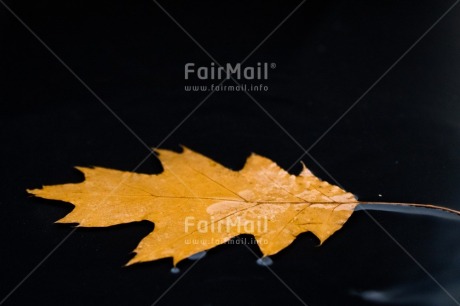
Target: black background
{"type": "Point", "coordinates": [400, 141]}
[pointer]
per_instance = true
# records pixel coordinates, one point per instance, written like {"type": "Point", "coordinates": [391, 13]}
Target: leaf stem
{"type": "Point", "coordinates": [428, 206]}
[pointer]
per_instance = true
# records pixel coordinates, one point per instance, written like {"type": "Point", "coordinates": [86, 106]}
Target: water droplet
{"type": "Point", "coordinates": [198, 255]}
{"type": "Point", "coordinates": [264, 261]}
{"type": "Point", "coordinates": [175, 270]}
{"type": "Point", "coordinates": [380, 195]}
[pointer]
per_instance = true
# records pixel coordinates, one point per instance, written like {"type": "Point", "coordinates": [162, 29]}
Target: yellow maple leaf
{"type": "Point", "coordinates": [197, 204]}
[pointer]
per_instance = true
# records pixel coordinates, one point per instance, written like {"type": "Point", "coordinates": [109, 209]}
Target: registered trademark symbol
{"type": "Point", "coordinates": [273, 65]}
